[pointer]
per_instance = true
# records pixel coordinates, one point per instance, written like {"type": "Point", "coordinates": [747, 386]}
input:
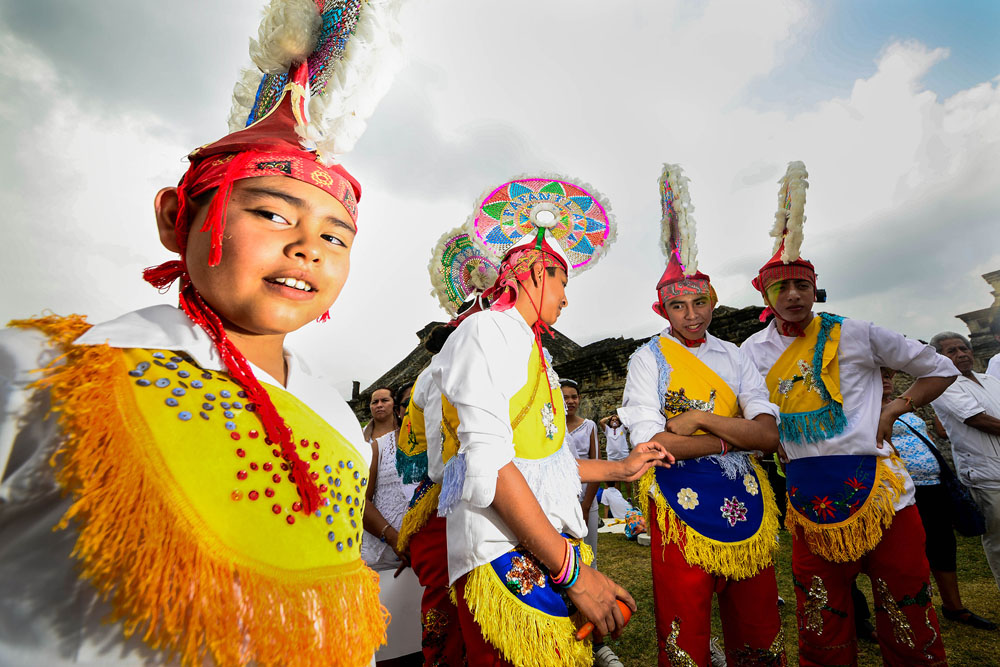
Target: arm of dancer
{"type": "Point", "coordinates": [594, 594]}
{"type": "Point", "coordinates": [934, 373]}
{"type": "Point", "coordinates": [591, 493]}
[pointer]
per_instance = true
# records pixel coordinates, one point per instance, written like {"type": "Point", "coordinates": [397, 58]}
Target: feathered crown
{"type": "Point", "coordinates": [459, 269]}
{"type": "Point", "coordinates": [790, 216]}
{"type": "Point", "coordinates": [350, 50]}
{"type": "Point", "coordinates": [677, 241]}
{"type": "Point", "coordinates": [677, 231]}
{"type": "Point", "coordinates": [786, 263]}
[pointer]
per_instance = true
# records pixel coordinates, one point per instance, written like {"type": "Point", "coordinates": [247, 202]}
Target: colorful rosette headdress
{"type": "Point", "coordinates": [786, 263]}
{"type": "Point", "coordinates": [677, 240]}
{"type": "Point", "coordinates": [322, 66]}
{"type": "Point", "coordinates": [572, 219]}
{"type": "Point", "coordinates": [459, 270]}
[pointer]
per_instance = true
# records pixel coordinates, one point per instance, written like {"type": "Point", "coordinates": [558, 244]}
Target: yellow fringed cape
{"type": "Point", "coordinates": [842, 504]}
{"type": "Point", "coordinates": [419, 512]}
{"type": "Point", "coordinates": [527, 636]}
{"type": "Point", "coordinates": [186, 521]}
{"type": "Point", "coordinates": [691, 498]}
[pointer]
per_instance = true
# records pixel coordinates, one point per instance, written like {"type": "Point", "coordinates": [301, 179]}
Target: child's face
{"type": "Point", "coordinates": [285, 255]}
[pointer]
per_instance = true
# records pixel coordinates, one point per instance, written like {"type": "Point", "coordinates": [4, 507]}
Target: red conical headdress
{"type": "Point", "coordinates": [677, 238]}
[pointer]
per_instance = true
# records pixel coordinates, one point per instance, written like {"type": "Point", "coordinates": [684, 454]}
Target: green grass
{"type": "Point", "coordinates": [628, 564]}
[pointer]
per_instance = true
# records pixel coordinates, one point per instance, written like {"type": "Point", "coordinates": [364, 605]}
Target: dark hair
{"type": "Point", "coordinates": [566, 382]}
{"type": "Point", "coordinates": [372, 395]}
{"type": "Point", "coordinates": [435, 340]}
{"type": "Point", "coordinates": [397, 397]}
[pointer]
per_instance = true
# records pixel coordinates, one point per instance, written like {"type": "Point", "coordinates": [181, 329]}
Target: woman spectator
{"type": "Point", "coordinates": [582, 436]}
{"type": "Point", "coordinates": [911, 440]}
{"type": "Point", "coordinates": [387, 500]}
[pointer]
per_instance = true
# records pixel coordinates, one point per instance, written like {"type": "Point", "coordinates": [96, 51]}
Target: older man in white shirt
{"type": "Point", "coordinates": [970, 412]}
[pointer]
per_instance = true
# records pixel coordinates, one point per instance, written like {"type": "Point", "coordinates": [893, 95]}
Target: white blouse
{"type": "Point", "coordinates": [48, 615]}
{"type": "Point", "coordinates": [580, 437]}
{"type": "Point", "coordinates": [391, 499]}
{"type": "Point", "coordinates": [864, 349]}
{"type": "Point", "coordinates": [481, 367]}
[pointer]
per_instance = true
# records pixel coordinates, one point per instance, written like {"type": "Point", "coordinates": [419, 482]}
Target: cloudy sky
{"type": "Point", "coordinates": [894, 107]}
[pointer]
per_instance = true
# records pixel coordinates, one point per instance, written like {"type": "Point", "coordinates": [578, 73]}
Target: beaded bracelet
{"type": "Point", "coordinates": [576, 574]}
{"type": "Point", "coordinates": [569, 565]}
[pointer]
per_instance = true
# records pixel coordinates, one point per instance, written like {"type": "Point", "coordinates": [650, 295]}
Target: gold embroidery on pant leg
{"type": "Point", "coordinates": [934, 634]}
{"type": "Point", "coordinates": [773, 656]}
{"type": "Point", "coordinates": [678, 656]}
{"type": "Point", "coordinates": [900, 626]}
{"type": "Point", "coordinates": [816, 599]}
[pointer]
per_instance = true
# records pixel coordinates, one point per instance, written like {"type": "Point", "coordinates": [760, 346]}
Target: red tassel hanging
{"type": "Point", "coordinates": [215, 221]}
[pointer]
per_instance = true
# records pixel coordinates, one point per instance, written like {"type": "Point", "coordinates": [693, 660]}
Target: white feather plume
{"type": "Point", "coordinates": [372, 57]}
{"type": "Point", "coordinates": [790, 216]}
{"type": "Point", "coordinates": [673, 174]}
{"type": "Point", "coordinates": [583, 185]}
{"type": "Point", "coordinates": [357, 81]}
{"type": "Point", "coordinates": [287, 34]}
{"type": "Point", "coordinates": [244, 93]}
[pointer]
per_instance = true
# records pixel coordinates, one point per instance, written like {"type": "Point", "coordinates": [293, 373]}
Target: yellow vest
{"type": "Point", "coordinates": [188, 520]}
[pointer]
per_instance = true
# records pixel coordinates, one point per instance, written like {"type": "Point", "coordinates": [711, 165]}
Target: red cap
{"type": "Point", "coordinates": [674, 283]}
{"type": "Point", "coordinates": [776, 269]}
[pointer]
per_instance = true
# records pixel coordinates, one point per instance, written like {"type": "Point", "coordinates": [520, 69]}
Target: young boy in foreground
{"type": "Point", "coordinates": [206, 489]}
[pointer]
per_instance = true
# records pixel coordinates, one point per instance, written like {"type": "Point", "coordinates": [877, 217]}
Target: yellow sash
{"type": "Point", "coordinates": [156, 446]}
{"type": "Point", "coordinates": [805, 383]}
{"type": "Point", "coordinates": [694, 385]}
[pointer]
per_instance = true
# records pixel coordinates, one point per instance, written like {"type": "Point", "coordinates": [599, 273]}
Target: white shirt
{"type": "Point", "coordinates": [580, 438]}
{"type": "Point", "coordinates": [481, 367]}
{"type": "Point", "coordinates": [993, 368]}
{"type": "Point", "coordinates": [976, 453]}
{"type": "Point", "coordinates": [864, 349]}
{"type": "Point", "coordinates": [427, 396]}
{"type": "Point", "coordinates": [48, 616]}
{"type": "Point", "coordinates": [615, 502]}
{"type": "Point", "coordinates": [617, 442]}
{"type": "Point", "coordinates": [641, 411]}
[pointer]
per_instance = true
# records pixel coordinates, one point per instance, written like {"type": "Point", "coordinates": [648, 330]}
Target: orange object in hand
{"type": "Point", "coordinates": [588, 627]}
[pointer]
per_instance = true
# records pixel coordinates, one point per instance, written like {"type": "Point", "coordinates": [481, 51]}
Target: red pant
{"type": "Point", "coordinates": [442, 635]}
{"type": "Point", "coordinates": [478, 650]}
{"type": "Point", "coordinates": [907, 625]}
{"type": "Point", "coordinates": [682, 593]}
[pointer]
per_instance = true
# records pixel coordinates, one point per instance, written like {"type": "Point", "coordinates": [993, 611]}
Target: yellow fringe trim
{"type": "Point", "coordinates": [526, 637]}
{"type": "Point", "coordinates": [735, 560]}
{"type": "Point", "coordinates": [417, 517]}
{"type": "Point", "coordinates": [852, 538]}
{"type": "Point", "coordinates": [164, 583]}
